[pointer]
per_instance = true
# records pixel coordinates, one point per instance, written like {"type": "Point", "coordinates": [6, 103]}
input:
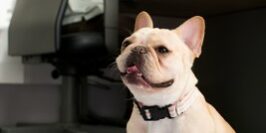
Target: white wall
{"type": "Point", "coordinates": [12, 71]}
{"type": "Point", "coordinates": [11, 68]}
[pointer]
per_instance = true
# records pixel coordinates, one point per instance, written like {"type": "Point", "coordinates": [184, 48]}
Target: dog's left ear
{"type": "Point", "coordinates": [192, 33]}
{"type": "Point", "coordinates": [143, 20]}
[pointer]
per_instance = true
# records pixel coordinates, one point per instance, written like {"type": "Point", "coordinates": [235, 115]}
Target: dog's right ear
{"type": "Point", "coordinates": [143, 20]}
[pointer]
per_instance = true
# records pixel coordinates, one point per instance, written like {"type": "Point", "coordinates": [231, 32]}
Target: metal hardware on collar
{"type": "Point", "coordinates": [154, 113]}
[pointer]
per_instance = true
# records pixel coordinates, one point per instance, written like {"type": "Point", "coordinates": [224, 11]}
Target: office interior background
{"type": "Point", "coordinates": [231, 69]}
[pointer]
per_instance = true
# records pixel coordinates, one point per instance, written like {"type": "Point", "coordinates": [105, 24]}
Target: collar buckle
{"type": "Point", "coordinates": [154, 113]}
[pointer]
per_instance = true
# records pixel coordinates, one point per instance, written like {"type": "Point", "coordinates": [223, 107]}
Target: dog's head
{"type": "Point", "coordinates": [157, 61]}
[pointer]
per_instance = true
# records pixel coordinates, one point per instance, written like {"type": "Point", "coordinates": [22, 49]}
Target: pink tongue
{"type": "Point", "coordinates": [132, 69]}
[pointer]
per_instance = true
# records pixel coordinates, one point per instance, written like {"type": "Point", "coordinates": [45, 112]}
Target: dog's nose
{"type": "Point", "coordinates": [140, 50]}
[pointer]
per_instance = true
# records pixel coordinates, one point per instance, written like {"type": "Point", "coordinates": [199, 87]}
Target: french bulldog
{"type": "Point", "coordinates": [155, 64]}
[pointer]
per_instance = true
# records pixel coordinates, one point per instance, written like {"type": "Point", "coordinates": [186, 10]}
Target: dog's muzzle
{"type": "Point", "coordinates": [140, 50]}
{"type": "Point", "coordinates": [133, 73]}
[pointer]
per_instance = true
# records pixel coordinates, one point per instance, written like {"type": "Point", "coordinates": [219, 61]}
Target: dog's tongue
{"type": "Point", "coordinates": [132, 69]}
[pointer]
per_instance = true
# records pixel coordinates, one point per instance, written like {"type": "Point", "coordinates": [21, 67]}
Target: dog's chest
{"type": "Point", "coordinates": [162, 126]}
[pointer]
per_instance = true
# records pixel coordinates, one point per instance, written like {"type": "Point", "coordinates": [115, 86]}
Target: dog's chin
{"type": "Point", "coordinates": [135, 77]}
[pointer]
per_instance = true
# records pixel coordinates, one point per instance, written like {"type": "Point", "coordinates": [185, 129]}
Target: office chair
{"type": "Point", "coordinates": [36, 32]}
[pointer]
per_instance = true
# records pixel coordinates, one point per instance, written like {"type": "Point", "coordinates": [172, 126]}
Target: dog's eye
{"type": "Point", "coordinates": [162, 50]}
{"type": "Point", "coordinates": [125, 44]}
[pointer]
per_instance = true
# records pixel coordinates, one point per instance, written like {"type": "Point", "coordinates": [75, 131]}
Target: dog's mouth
{"type": "Point", "coordinates": [134, 76]}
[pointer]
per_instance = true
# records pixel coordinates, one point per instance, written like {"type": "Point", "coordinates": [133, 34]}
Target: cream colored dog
{"type": "Point", "coordinates": [155, 65]}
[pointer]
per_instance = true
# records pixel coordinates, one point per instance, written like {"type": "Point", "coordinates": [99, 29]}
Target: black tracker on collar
{"type": "Point", "coordinates": [154, 113]}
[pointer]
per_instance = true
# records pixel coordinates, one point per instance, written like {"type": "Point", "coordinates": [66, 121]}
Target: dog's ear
{"type": "Point", "coordinates": [192, 33]}
{"type": "Point", "coordinates": [143, 20]}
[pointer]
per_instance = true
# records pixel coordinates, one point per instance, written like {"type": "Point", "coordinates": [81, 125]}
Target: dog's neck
{"type": "Point", "coordinates": [175, 104]}
{"type": "Point", "coordinates": [155, 113]}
